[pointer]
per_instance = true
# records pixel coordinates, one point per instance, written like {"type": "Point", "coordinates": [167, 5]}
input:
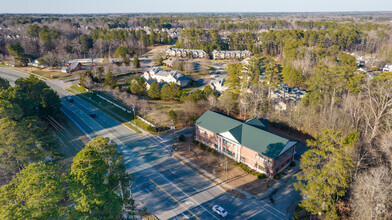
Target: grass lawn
{"type": "Point", "coordinates": [50, 73]}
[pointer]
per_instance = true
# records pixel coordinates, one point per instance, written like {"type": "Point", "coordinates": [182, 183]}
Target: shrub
{"type": "Point", "coordinates": [277, 176]}
{"type": "Point", "coordinates": [261, 176]}
{"type": "Point", "coordinates": [182, 138]}
{"type": "Point", "coordinates": [292, 164]}
{"type": "Point", "coordinates": [195, 142]}
{"type": "Point", "coordinates": [245, 168]}
{"type": "Point", "coordinates": [151, 128]}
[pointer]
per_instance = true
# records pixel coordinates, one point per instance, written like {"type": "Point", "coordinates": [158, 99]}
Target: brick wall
{"type": "Point", "coordinates": [248, 156]}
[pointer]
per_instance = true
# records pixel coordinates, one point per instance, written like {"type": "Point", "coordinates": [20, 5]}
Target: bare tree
{"type": "Point", "coordinates": [372, 193]}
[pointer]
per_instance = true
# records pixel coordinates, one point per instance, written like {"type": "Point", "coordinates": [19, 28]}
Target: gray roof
{"type": "Point", "coordinates": [73, 64]}
{"type": "Point", "coordinates": [252, 133]}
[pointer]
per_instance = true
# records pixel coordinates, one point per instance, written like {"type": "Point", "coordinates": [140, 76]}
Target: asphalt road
{"type": "Point", "coordinates": [168, 188]}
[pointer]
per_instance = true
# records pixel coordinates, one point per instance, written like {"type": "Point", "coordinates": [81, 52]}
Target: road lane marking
{"type": "Point", "coordinates": [147, 190]}
{"type": "Point", "coordinates": [267, 210]}
{"type": "Point", "coordinates": [172, 172]}
{"type": "Point", "coordinates": [174, 198]}
{"type": "Point", "coordinates": [188, 195]}
{"type": "Point", "coordinates": [273, 208]}
{"type": "Point", "coordinates": [195, 189]}
{"type": "Point", "coordinates": [89, 137]}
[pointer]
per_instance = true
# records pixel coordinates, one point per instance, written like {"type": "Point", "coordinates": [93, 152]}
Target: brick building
{"type": "Point", "coordinates": [249, 142]}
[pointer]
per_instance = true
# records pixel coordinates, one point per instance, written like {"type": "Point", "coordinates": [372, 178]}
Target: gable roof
{"type": "Point", "coordinates": [252, 133]}
{"type": "Point", "coordinates": [74, 64]}
{"type": "Point", "coordinates": [217, 122]}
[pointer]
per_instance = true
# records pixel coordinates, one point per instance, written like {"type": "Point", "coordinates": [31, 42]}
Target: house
{"type": "Point", "coordinates": [65, 70]}
{"type": "Point", "coordinates": [75, 66]}
{"type": "Point", "coordinates": [222, 54]}
{"type": "Point", "coordinates": [387, 67]}
{"type": "Point", "coordinates": [249, 142]}
{"type": "Point", "coordinates": [179, 52]}
{"type": "Point", "coordinates": [218, 84]}
{"type": "Point", "coordinates": [165, 76]}
{"type": "Point", "coordinates": [284, 95]}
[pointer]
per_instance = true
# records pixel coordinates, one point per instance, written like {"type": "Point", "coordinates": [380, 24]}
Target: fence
{"type": "Point", "coordinates": [145, 121]}
{"type": "Point", "coordinates": [115, 104]}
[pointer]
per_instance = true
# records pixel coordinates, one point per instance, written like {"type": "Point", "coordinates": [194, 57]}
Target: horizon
{"type": "Point", "coordinates": [202, 6]}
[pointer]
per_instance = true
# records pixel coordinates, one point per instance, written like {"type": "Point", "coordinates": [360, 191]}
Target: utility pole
{"type": "Point", "coordinates": [134, 113]}
{"type": "Point", "coordinates": [173, 128]}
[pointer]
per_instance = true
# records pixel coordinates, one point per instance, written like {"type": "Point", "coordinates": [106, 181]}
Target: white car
{"type": "Point", "coordinates": [219, 210]}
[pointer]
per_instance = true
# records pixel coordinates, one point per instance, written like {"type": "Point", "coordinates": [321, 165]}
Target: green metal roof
{"type": "Point", "coordinates": [217, 122]}
{"type": "Point", "coordinates": [252, 133]}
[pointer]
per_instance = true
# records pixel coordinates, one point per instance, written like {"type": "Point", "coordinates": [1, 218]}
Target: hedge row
{"type": "Point", "coordinates": [247, 169]}
{"type": "Point", "coordinates": [206, 148]}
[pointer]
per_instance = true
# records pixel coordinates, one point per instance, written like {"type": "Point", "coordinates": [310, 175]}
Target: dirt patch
{"type": "Point", "coordinates": [216, 165]}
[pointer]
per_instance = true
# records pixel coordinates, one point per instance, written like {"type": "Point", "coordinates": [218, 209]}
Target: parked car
{"type": "Point", "coordinates": [93, 115]}
{"type": "Point", "coordinates": [219, 210]}
{"type": "Point", "coordinates": [70, 99]}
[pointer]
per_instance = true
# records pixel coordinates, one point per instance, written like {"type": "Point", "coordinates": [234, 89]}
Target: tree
{"type": "Point", "coordinates": [43, 97]}
{"type": "Point", "coordinates": [98, 183]}
{"type": "Point", "coordinates": [35, 193]}
{"type": "Point", "coordinates": [173, 116]}
{"type": "Point", "coordinates": [50, 102]}
{"type": "Point", "coordinates": [18, 53]}
{"type": "Point", "coordinates": [234, 78]}
{"type": "Point", "coordinates": [227, 102]}
{"type": "Point", "coordinates": [4, 84]}
{"type": "Point", "coordinates": [110, 80]}
{"type": "Point", "coordinates": [123, 53]}
{"type": "Point", "coordinates": [160, 62]}
{"type": "Point", "coordinates": [170, 92]}
{"type": "Point", "coordinates": [86, 79]}
{"type": "Point", "coordinates": [372, 192]}
{"type": "Point", "coordinates": [138, 86]}
{"type": "Point", "coordinates": [271, 74]}
{"type": "Point", "coordinates": [292, 77]}
{"type": "Point", "coordinates": [136, 62]}
{"type": "Point", "coordinates": [155, 90]}
{"type": "Point", "coordinates": [326, 172]}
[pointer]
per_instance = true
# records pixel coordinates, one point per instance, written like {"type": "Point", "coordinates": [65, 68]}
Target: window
{"type": "Point", "coordinates": [283, 155]}
{"type": "Point", "coordinates": [277, 160]}
{"type": "Point", "coordinates": [216, 146]}
{"type": "Point", "coordinates": [269, 162]}
{"type": "Point", "coordinates": [257, 156]}
{"type": "Point", "coordinates": [224, 149]}
{"type": "Point", "coordinates": [263, 159]}
{"type": "Point", "coordinates": [229, 144]}
{"type": "Point", "coordinates": [229, 153]}
{"type": "Point", "coordinates": [242, 159]}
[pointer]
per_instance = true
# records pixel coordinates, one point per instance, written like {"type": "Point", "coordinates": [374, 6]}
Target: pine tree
{"type": "Point", "coordinates": [326, 172]}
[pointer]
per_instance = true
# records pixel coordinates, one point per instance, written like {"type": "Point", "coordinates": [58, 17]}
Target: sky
{"type": "Point", "coordinates": [156, 6]}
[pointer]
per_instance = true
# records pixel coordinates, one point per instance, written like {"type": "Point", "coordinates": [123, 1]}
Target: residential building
{"type": "Point", "coordinates": [217, 84]}
{"type": "Point", "coordinates": [179, 52]}
{"type": "Point", "coordinates": [75, 66]}
{"type": "Point", "coordinates": [387, 67]}
{"type": "Point", "coordinates": [165, 76]}
{"type": "Point", "coordinates": [249, 142]}
{"type": "Point", "coordinates": [237, 54]}
{"type": "Point", "coordinates": [285, 95]}
{"type": "Point", "coordinates": [65, 70]}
